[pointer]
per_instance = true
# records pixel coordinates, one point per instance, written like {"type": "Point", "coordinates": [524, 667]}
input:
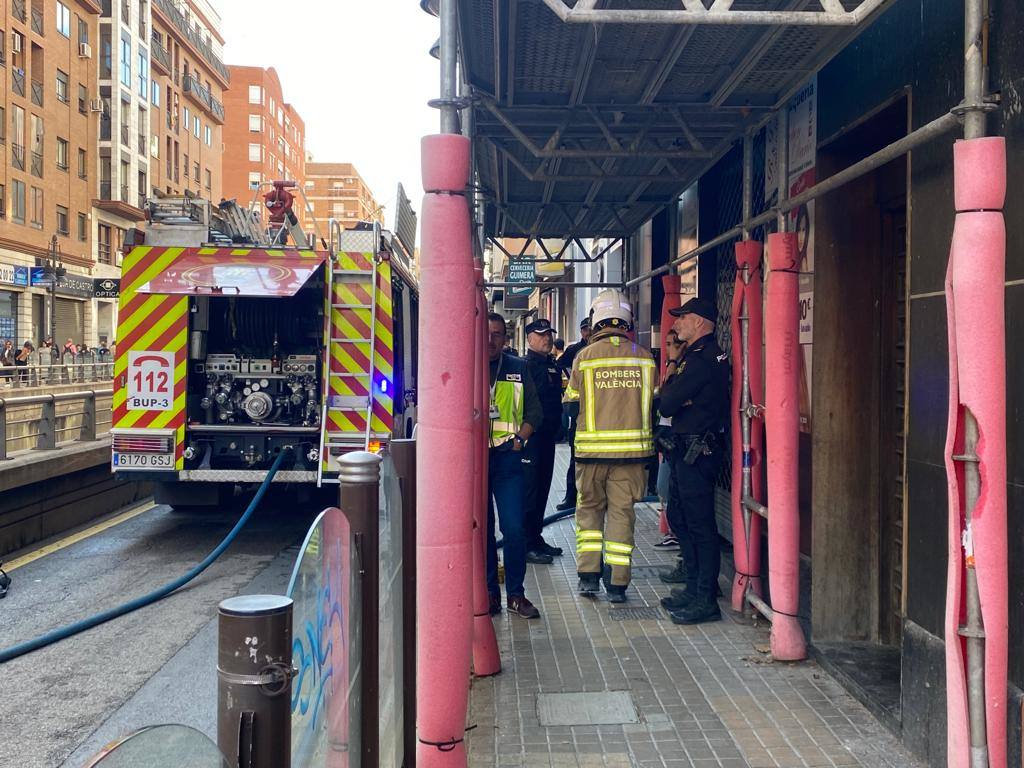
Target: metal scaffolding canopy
{"type": "Point", "coordinates": [590, 116]}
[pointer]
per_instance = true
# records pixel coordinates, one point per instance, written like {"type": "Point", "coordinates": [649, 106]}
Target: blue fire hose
{"type": "Point", "coordinates": [69, 630]}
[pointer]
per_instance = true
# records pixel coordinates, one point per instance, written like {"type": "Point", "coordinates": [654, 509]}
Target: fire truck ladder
{"type": "Point", "coordinates": [348, 418]}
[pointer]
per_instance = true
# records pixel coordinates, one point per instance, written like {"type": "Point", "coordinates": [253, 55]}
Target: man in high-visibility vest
{"type": "Point", "coordinates": [515, 412]}
{"type": "Point", "coordinates": [613, 380]}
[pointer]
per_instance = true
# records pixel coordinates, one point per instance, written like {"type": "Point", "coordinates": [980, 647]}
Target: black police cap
{"type": "Point", "coordinates": [700, 307]}
{"type": "Point", "coordinates": [540, 326]}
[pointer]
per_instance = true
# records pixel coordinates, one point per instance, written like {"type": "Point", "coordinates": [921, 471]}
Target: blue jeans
{"type": "Point", "coordinates": [505, 476]}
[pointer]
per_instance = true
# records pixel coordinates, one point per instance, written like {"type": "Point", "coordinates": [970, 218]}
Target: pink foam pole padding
{"type": "Point", "coordinates": [444, 455]}
{"type": "Point", "coordinates": [486, 659]}
{"type": "Point", "coordinates": [975, 291]}
{"type": "Point", "coordinates": [746, 551]}
{"type": "Point", "coordinates": [782, 422]}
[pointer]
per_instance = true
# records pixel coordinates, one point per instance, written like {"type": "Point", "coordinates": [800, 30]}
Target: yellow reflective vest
{"type": "Point", "coordinates": [613, 379]}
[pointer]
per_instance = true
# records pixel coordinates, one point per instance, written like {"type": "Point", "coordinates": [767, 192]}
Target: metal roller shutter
{"type": "Point", "coordinates": [70, 321]}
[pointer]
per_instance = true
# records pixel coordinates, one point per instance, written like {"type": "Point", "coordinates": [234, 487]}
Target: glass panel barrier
{"type": "Point", "coordinates": [390, 617]}
{"type": "Point", "coordinates": [161, 746]}
{"type": "Point", "coordinates": [325, 586]}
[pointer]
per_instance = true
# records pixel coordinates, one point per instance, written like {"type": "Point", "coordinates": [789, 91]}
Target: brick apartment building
{"type": "Point", "coordinates": [264, 137]}
{"type": "Point", "coordinates": [187, 99]}
{"type": "Point", "coordinates": [337, 191]}
{"type": "Point", "coordinates": [49, 68]}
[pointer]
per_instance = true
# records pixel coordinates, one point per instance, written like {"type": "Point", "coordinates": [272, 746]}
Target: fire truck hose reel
{"type": "Point", "coordinates": [77, 627]}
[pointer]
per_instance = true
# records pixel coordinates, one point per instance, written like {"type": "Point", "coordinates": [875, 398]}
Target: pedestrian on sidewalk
{"type": "Point", "coordinates": [7, 359]}
{"type": "Point", "coordinates": [612, 381]}
{"type": "Point", "coordinates": [21, 360]}
{"type": "Point", "coordinates": [696, 398]}
{"type": "Point", "coordinates": [663, 442]}
{"type": "Point", "coordinates": [572, 410]}
{"type": "Point", "coordinates": [514, 410]}
{"type": "Point", "coordinates": [539, 454]}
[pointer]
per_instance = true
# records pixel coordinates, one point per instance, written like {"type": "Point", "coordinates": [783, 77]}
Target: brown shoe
{"type": "Point", "coordinates": [522, 607]}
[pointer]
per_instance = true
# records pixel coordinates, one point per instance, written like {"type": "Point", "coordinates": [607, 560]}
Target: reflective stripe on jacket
{"type": "Point", "coordinates": [613, 380]}
{"type": "Point", "coordinates": [509, 396]}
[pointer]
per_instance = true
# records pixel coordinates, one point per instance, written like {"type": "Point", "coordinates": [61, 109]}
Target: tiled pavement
{"type": "Point", "coordinates": [704, 696]}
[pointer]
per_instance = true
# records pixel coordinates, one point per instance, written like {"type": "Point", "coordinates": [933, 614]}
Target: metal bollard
{"type": "Point", "coordinates": [360, 501]}
{"type": "Point", "coordinates": [254, 681]}
{"type": "Point", "coordinates": [404, 454]}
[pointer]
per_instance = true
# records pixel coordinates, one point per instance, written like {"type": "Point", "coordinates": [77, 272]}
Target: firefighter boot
{"type": "Point", "coordinates": [590, 584]}
{"type": "Point", "coordinates": [616, 593]}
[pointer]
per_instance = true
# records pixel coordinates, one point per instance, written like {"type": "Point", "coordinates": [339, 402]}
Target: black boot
{"type": "Point", "coordinates": [679, 599]}
{"type": "Point", "coordinates": [676, 575]}
{"type": "Point", "coordinates": [616, 593]}
{"type": "Point", "coordinates": [590, 583]}
{"type": "Point", "coordinates": [564, 505]}
{"type": "Point", "coordinates": [701, 610]}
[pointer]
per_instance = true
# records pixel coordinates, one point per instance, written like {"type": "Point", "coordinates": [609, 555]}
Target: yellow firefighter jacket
{"type": "Point", "coordinates": [613, 380]}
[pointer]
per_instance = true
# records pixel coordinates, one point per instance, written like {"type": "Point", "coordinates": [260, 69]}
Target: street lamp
{"type": "Point", "coordinates": [53, 271]}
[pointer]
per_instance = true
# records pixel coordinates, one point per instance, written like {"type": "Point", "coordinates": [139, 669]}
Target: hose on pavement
{"type": "Point", "coordinates": [62, 633]}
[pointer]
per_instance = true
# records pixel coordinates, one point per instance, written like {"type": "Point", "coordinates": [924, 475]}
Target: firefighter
{"type": "Point", "coordinates": [514, 410]}
{"type": "Point", "coordinates": [612, 381]}
{"type": "Point", "coordinates": [696, 397]}
{"type": "Point", "coordinates": [539, 454]}
{"type": "Point", "coordinates": [565, 365]}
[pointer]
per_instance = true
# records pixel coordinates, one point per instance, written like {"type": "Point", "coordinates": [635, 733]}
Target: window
{"type": "Point", "coordinates": [126, 59]}
{"type": "Point", "coordinates": [106, 54]}
{"type": "Point", "coordinates": [197, 126]}
{"type": "Point", "coordinates": [255, 179]}
{"type": "Point", "coordinates": [186, 167]}
{"type": "Point", "coordinates": [255, 153]}
{"type": "Point", "coordinates": [255, 123]}
{"type": "Point", "coordinates": [3, 202]}
{"type": "Point", "coordinates": [155, 93]}
{"type": "Point", "coordinates": [62, 154]}
{"type": "Point", "coordinates": [255, 94]}
{"type": "Point", "coordinates": [18, 201]}
{"type": "Point", "coordinates": [83, 164]}
{"type": "Point", "coordinates": [63, 20]}
{"type": "Point", "coordinates": [62, 221]}
{"type": "Point", "coordinates": [188, 116]}
{"type": "Point", "coordinates": [209, 136]}
{"type": "Point", "coordinates": [273, 107]}
{"type": "Point", "coordinates": [195, 172]}
{"type": "Point", "coordinates": [63, 86]}
{"type": "Point", "coordinates": [83, 31]}
{"type": "Point", "coordinates": [3, 125]}
{"type": "Point", "coordinates": [83, 99]}
{"type": "Point", "coordinates": [37, 207]}
{"type": "Point", "coordinates": [103, 244]}
{"type": "Point", "coordinates": [209, 179]}
{"type": "Point", "coordinates": [143, 73]}
{"type": "Point", "coordinates": [83, 227]}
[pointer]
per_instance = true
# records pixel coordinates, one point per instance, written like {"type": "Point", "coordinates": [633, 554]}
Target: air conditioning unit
{"type": "Point", "coordinates": [85, 50]}
{"type": "Point", "coordinates": [16, 43]}
{"type": "Point", "coordinates": [96, 105]}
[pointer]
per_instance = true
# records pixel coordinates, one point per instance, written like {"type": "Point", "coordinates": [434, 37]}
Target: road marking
{"type": "Point", "coordinates": [74, 538]}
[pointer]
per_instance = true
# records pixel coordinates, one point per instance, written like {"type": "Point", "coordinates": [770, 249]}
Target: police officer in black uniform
{"type": "Point", "coordinates": [539, 454]}
{"type": "Point", "coordinates": [696, 398]}
{"type": "Point", "coordinates": [572, 412]}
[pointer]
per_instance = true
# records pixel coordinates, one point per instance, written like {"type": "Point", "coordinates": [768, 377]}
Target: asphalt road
{"type": "Point", "coordinates": [59, 705]}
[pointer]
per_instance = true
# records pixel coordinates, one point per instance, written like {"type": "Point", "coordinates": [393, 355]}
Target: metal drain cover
{"type": "Point", "coordinates": [591, 708]}
{"type": "Point", "coordinates": [635, 614]}
{"type": "Point", "coordinates": [648, 571]}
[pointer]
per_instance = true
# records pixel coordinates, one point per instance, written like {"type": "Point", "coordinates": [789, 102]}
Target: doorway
{"type": "Point", "coordinates": [859, 403]}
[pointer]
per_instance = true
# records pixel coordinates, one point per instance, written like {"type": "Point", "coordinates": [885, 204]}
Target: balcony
{"type": "Point", "coordinates": [161, 57]}
{"type": "Point", "coordinates": [18, 157]}
{"type": "Point", "coordinates": [18, 81]}
{"type": "Point", "coordinates": [37, 164]}
{"type": "Point", "coordinates": [18, 10]}
{"type": "Point", "coordinates": [204, 97]}
{"type": "Point", "coordinates": [169, 8]}
{"type": "Point", "coordinates": [37, 21]}
{"type": "Point", "coordinates": [37, 93]}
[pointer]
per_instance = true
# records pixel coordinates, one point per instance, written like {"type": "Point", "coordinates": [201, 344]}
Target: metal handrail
{"type": "Point", "coordinates": [51, 423]}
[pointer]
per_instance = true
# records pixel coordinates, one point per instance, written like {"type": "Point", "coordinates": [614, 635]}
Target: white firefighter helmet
{"type": "Point", "coordinates": [611, 308]}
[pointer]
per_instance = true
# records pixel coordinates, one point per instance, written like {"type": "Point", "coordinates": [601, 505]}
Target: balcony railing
{"type": "Point", "coordinates": [104, 253]}
{"type": "Point", "coordinates": [37, 21]}
{"type": "Point", "coordinates": [18, 81]}
{"type": "Point", "coordinates": [170, 9]}
{"type": "Point", "coordinates": [37, 93]}
{"type": "Point", "coordinates": [18, 10]}
{"type": "Point", "coordinates": [18, 156]}
{"type": "Point", "coordinates": [204, 96]}
{"type": "Point", "coordinates": [124, 136]}
{"type": "Point", "coordinates": [161, 56]}
{"type": "Point", "coordinates": [37, 164]}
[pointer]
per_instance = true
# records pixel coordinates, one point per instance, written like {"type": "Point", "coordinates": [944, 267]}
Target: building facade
{"type": "Point", "coordinates": [49, 120]}
{"type": "Point", "coordinates": [264, 136]}
{"type": "Point", "coordinates": [337, 191]}
{"type": "Point", "coordinates": [187, 99]}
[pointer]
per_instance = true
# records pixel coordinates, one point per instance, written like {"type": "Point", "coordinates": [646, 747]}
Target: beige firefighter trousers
{"type": "Point", "coordinates": [605, 517]}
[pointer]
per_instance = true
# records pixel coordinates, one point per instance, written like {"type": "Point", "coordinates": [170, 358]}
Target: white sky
{"type": "Point", "coordinates": [358, 72]}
